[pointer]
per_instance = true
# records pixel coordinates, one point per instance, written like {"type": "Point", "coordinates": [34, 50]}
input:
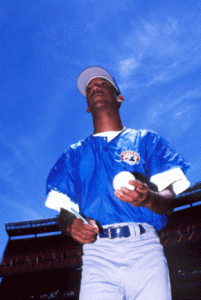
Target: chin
{"type": "Point", "coordinates": [99, 102]}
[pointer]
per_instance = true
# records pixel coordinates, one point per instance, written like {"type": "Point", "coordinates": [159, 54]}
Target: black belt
{"type": "Point", "coordinates": [120, 231]}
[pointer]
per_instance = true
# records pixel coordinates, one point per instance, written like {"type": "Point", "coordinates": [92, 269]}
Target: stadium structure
{"type": "Point", "coordinates": [41, 263]}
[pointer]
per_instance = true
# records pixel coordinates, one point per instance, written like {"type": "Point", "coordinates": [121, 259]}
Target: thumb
{"type": "Point", "coordinates": [93, 223]}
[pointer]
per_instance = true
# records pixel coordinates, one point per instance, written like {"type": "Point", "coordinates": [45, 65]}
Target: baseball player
{"type": "Point", "coordinates": [122, 255]}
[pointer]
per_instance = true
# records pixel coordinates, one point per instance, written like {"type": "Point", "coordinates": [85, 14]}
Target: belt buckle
{"type": "Point", "coordinates": [109, 233]}
{"type": "Point", "coordinates": [115, 234]}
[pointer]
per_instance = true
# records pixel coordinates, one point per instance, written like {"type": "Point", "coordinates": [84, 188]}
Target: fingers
{"type": "Point", "coordinates": [93, 223]}
{"type": "Point", "coordinates": [136, 197]}
{"type": "Point", "coordinates": [82, 232]}
{"type": "Point", "coordinates": [139, 186]}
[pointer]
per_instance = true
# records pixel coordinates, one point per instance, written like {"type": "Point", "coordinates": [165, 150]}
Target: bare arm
{"type": "Point", "coordinates": [76, 228]}
{"type": "Point", "coordinates": [158, 202]}
{"type": "Point", "coordinates": [65, 221]}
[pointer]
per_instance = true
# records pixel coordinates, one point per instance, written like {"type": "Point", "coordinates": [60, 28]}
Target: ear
{"type": "Point", "coordinates": [120, 99]}
{"type": "Point", "coordinates": [88, 110]}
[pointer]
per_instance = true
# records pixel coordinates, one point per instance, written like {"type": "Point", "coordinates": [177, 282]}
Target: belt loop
{"type": "Point", "coordinates": [132, 229]}
{"type": "Point", "coordinates": [137, 230]}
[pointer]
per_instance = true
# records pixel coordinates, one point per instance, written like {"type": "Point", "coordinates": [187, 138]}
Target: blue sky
{"type": "Point", "coordinates": [152, 48]}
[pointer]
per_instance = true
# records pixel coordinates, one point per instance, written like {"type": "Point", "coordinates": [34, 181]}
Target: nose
{"type": "Point", "coordinates": [96, 88]}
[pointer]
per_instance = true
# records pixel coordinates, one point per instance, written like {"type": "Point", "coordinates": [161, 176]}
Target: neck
{"type": "Point", "coordinates": [107, 121]}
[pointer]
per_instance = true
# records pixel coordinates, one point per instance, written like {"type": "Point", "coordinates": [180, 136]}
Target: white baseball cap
{"type": "Point", "coordinates": [93, 72]}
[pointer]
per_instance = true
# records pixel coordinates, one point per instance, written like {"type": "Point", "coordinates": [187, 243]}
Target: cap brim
{"type": "Point", "coordinates": [90, 73]}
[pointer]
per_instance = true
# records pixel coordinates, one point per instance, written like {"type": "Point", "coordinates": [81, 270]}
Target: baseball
{"type": "Point", "coordinates": [122, 179]}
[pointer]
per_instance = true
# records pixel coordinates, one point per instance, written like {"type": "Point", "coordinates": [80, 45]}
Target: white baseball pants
{"type": "Point", "coordinates": [125, 268]}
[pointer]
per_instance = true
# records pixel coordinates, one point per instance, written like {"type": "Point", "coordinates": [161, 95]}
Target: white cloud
{"type": "Point", "coordinates": [161, 48]}
{"type": "Point", "coordinates": [19, 210]}
{"type": "Point", "coordinates": [7, 173]}
{"type": "Point", "coordinates": [182, 112]}
{"type": "Point", "coordinates": [127, 66]}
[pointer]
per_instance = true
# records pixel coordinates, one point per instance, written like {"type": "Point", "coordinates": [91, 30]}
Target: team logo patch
{"type": "Point", "coordinates": [130, 157]}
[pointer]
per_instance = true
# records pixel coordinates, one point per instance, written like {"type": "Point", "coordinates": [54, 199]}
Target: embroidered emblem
{"type": "Point", "coordinates": [130, 157]}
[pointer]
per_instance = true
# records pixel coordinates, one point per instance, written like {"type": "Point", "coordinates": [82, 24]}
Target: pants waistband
{"type": "Point", "coordinates": [112, 232]}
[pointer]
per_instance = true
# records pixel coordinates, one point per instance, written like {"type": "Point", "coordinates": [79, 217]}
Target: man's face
{"type": "Point", "coordinates": [100, 92]}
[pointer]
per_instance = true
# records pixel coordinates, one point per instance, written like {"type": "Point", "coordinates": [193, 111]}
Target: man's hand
{"type": "Point", "coordinates": [136, 197]}
{"type": "Point", "coordinates": [82, 232]}
{"type": "Point", "coordinates": [160, 203]}
{"type": "Point", "coordinates": [76, 228]}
